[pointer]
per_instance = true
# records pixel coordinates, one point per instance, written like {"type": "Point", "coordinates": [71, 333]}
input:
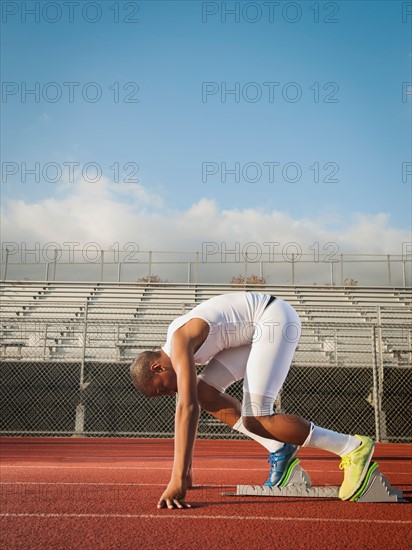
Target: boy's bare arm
{"type": "Point", "coordinates": [185, 341]}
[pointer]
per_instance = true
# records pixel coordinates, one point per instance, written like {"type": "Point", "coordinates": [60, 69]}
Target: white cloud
{"type": "Point", "coordinates": [108, 213]}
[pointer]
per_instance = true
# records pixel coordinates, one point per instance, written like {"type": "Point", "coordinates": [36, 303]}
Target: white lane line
{"type": "Point", "coordinates": [70, 483]}
{"type": "Point", "coordinates": [153, 468]}
{"type": "Point", "coordinates": [188, 516]}
{"type": "Point", "coordinates": [83, 484]}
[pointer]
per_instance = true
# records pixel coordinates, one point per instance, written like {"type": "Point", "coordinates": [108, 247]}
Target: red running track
{"type": "Point", "coordinates": [102, 493]}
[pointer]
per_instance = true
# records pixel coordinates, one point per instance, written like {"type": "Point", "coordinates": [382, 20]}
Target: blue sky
{"type": "Point", "coordinates": [174, 133]}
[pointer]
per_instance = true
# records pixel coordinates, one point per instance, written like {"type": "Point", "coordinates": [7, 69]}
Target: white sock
{"type": "Point", "coordinates": [271, 445]}
{"type": "Point", "coordinates": [334, 442]}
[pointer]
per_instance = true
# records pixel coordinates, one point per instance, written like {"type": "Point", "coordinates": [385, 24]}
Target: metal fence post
{"type": "Point", "coordinates": [375, 390]}
{"type": "Point", "coordinates": [404, 273]}
{"type": "Point", "coordinates": [335, 333]}
{"type": "Point", "coordinates": [86, 310]}
{"type": "Point", "coordinates": [389, 271]}
{"type": "Point", "coordinates": [150, 265]}
{"type": "Point", "coordinates": [101, 264]}
{"type": "Point", "coordinates": [382, 416]}
{"type": "Point", "coordinates": [45, 343]}
{"type": "Point", "coordinates": [6, 262]}
{"type": "Point", "coordinates": [409, 340]}
{"type": "Point", "coordinates": [54, 264]}
{"type": "Point", "coordinates": [80, 409]}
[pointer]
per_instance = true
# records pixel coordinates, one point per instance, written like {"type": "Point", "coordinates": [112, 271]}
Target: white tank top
{"type": "Point", "coordinates": [231, 318]}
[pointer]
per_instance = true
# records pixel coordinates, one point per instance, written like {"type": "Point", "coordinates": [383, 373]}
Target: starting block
{"type": "Point", "coordinates": [297, 483]}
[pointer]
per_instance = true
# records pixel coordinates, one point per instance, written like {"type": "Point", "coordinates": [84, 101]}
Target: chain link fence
{"type": "Point", "coordinates": [70, 377]}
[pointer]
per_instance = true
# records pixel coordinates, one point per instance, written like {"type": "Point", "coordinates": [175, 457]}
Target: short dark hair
{"type": "Point", "coordinates": [140, 370]}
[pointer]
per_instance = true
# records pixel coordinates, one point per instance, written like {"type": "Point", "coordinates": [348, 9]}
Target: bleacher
{"type": "Point", "coordinates": [66, 348]}
{"type": "Point", "coordinates": [114, 321]}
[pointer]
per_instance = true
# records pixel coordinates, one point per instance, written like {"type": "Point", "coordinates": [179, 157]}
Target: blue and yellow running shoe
{"type": "Point", "coordinates": [279, 463]}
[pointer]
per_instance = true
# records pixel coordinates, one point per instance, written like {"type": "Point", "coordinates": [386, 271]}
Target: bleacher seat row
{"type": "Point", "coordinates": [47, 320]}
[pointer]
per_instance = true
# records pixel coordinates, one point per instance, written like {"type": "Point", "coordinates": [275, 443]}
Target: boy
{"type": "Point", "coordinates": [241, 335]}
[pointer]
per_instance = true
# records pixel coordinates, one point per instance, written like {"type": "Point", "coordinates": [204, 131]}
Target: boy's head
{"type": "Point", "coordinates": [153, 375]}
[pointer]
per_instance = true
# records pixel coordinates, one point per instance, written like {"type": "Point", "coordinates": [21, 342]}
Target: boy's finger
{"type": "Point", "coordinates": [184, 504]}
{"type": "Point", "coordinates": [173, 503]}
{"type": "Point", "coordinates": [177, 503]}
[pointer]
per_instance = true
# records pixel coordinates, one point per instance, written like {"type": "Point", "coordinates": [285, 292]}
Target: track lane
{"type": "Point", "coordinates": [75, 494]}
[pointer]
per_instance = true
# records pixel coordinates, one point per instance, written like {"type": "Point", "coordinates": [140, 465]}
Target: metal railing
{"type": "Point", "coordinates": [210, 265]}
